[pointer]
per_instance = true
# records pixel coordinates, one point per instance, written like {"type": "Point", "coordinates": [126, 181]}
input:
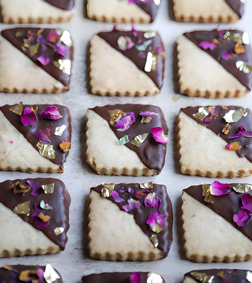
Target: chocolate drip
{"type": "Point", "coordinates": [62, 4]}
{"type": "Point", "coordinates": [133, 54]}
{"type": "Point", "coordinates": [60, 201]}
{"type": "Point", "coordinates": [149, 7]}
{"type": "Point", "coordinates": [225, 206]}
{"type": "Point", "coordinates": [225, 45]}
{"type": "Point", "coordinates": [50, 68]}
{"type": "Point", "coordinates": [227, 275]}
{"type": "Point", "coordinates": [165, 236]}
{"type": "Point", "coordinates": [11, 276]}
{"type": "Point", "coordinates": [150, 152]}
{"type": "Point", "coordinates": [115, 277]}
{"type": "Point", "coordinates": [218, 124]}
{"type": "Point", "coordinates": [42, 124]}
{"type": "Point", "coordinates": [237, 6]}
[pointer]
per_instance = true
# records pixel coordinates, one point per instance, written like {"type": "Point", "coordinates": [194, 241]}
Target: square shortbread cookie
{"type": "Point", "coordinates": [37, 11]}
{"type": "Point", "coordinates": [126, 63]}
{"type": "Point", "coordinates": [123, 11]}
{"type": "Point", "coordinates": [129, 222]}
{"type": "Point", "coordinates": [34, 138]}
{"type": "Point", "coordinates": [208, 11]}
{"type": "Point", "coordinates": [215, 64]}
{"type": "Point", "coordinates": [215, 141]}
{"type": "Point", "coordinates": [36, 209]}
{"type": "Point", "coordinates": [35, 60]}
{"type": "Point", "coordinates": [121, 141]}
{"type": "Point", "coordinates": [216, 222]}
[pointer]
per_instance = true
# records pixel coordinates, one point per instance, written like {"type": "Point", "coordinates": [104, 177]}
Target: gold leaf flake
{"type": "Point", "coordinates": [149, 34]}
{"type": "Point", "coordinates": [235, 115]}
{"type": "Point", "coordinates": [124, 139]}
{"type": "Point", "coordinates": [58, 231]}
{"type": "Point", "coordinates": [46, 150]}
{"type": "Point", "coordinates": [242, 188]}
{"type": "Point", "coordinates": [244, 67]}
{"type": "Point", "coordinates": [50, 275]}
{"type": "Point", "coordinates": [65, 146]}
{"type": "Point", "coordinates": [138, 140]}
{"type": "Point", "coordinates": [146, 185]}
{"type": "Point", "coordinates": [7, 266]}
{"type": "Point", "coordinates": [207, 194]}
{"type": "Point", "coordinates": [34, 49]}
{"type": "Point", "coordinates": [19, 33]}
{"type": "Point", "coordinates": [154, 278]}
{"type": "Point", "coordinates": [60, 130]}
{"type": "Point", "coordinates": [65, 37]}
{"type": "Point", "coordinates": [226, 129]}
{"type": "Point", "coordinates": [202, 113]}
{"type": "Point", "coordinates": [17, 109]}
{"type": "Point", "coordinates": [151, 62]}
{"type": "Point", "coordinates": [249, 276]}
{"type": "Point", "coordinates": [202, 277]}
{"type": "Point", "coordinates": [115, 115]}
{"type": "Point", "coordinates": [242, 38]}
{"type": "Point", "coordinates": [64, 65]}
{"type": "Point", "coordinates": [43, 217]}
{"type": "Point", "coordinates": [107, 190]}
{"type": "Point", "coordinates": [23, 208]}
{"type": "Point", "coordinates": [146, 120]}
{"type": "Point", "coordinates": [154, 240]}
{"type": "Point", "coordinates": [175, 98]}
{"type": "Point", "coordinates": [48, 189]}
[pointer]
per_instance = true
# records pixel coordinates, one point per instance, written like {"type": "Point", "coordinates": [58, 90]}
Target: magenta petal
{"type": "Point", "coordinates": [39, 224]}
{"type": "Point", "coordinates": [131, 205]}
{"type": "Point", "coordinates": [156, 220]}
{"type": "Point", "coordinates": [35, 188]}
{"type": "Point", "coordinates": [28, 117]}
{"type": "Point", "coordinates": [135, 278]}
{"type": "Point", "coordinates": [62, 50]}
{"type": "Point", "coordinates": [130, 190]}
{"type": "Point", "coordinates": [247, 202]}
{"type": "Point", "coordinates": [228, 145]}
{"type": "Point", "coordinates": [221, 33]}
{"type": "Point", "coordinates": [159, 49]}
{"type": "Point", "coordinates": [43, 60]}
{"type": "Point", "coordinates": [227, 54]}
{"type": "Point", "coordinates": [51, 113]}
{"type": "Point", "coordinates": [43, 135]}
{"type": "Point", "coordinates": [207, 120]}
{"type": "Point", "coordinates": [241, 132]}
{"type": "Point", "coordinates": [207, 45]}
{"type": "Point", "coordinates": [142, 194]}
{"type": "Point", "coordinates": [130, 43]}
{"type": "Point", "coordinates": [242, 218]}
{"type": "Point", "coordinates": [125, 122]}
{"type": "Point", "coordinates": [37, 207]}
{"type": "Point", "coordinates": [147, 114]}
{"type": "Point", "coordinates": [40, 273]}
{"type": "Point", "coordinates": [158, 135]}
{"type": "Point", "coordinates": [153, 201]}
{"type": "Point", "coordinates": [116, 197]}
{"type": "Point", "coordinates": [53, 36]}
{"type": "Point", "coordinates": [219, 189]}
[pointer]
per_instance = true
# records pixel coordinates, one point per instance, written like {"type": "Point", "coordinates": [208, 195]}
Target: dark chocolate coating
{"type": "Point", "coordinates": [60, 201]}
{"type": "Point", "coordinates": [149, 7]}
{"type": "Point", "coordinates": [115, 277]}
{"type": "Point", "coordinates": [165, 237]}
{"type": "Point", "coordinates": [51, 69]}
{"type": "Point", "coordinates": [6, 276]}
{"type": "Point", "coordinates": [219, 123]}
{"type": "Point", "coordinates": [230, 65]}
{"type": "Point", "coordinates": [156, 75]}
{"type": "Point", "coordinates": [230, 275]}
{"type": "Point", "coordinates": [225, 206]}
{"type": "Point", "coordinates": [62, 4]}
{"type": "Point", "coordinates": [42, 124]}
{"type": "Point", "coordinates": [237, 6]}
{"type": "Point", "coordinates": [150, 152]}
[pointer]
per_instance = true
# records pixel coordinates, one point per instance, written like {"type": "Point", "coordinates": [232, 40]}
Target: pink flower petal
{"type": "Point", "coordinates": [247, 202]}
{"type": "Point", "coordinates": [130, 42]}
{"type": "Point", "coordinates": [62, 49]}
{"type": "Point", "coordinates": [51, 113]}
{"type": "Point", "coordinates": [241, 131]}
{"type": "Point", "coordinates": [152, 200]}
{"type": "Point", "coordinates": [135, 278]}
{"type": "Point", "coordinates": [131, 205]}
{"type": "Point", "coordinates": [221, 33]}
{"type": "Point", "coordinates": [207, 120]}
{"type": "Point", "coordinates": [242, 218]}
{"type": "Point", "coordinates": [125, 122]}
{"type": "Point", "coordinates": [159, 49]}
{"type": "Point", "coordinates": [43, 60]}
{"type": "Point", "coordinates": [40, 273]}
{"type": "Point", "coordinates": [142, 194]}
{"type": "Point", "coordinates": [158, 135]}
{"type": "Point", "coordinates": [38, 223]}
{"type": "Point", "coordinates": [116, 197]}
{"type": "Point", "coordinates": [219, 189]}
{"type": "Point", "coordinates": [28, 117]}
{"type": "Point", "coordinates": [207, 45]}
{"type": "Point", "coordinates": [147, 114]}
{"type": "Point", "coordinates": [130, 190]}
{"type": "Point", "coordinates": [11, 142]}
{"type": "Point", "coordinates": [156, 221]}
{"type": "Point", "coordinates": [53, 36]}
{"type": "Point", "coordinates": [227, 55]}
{"type": "Point", "coordinates": [35, 188]}
{"type": "Point", "coordinates": [43, 135]}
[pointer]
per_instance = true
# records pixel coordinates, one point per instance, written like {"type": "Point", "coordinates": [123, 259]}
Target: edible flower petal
{"type": "Point", "coordinates": [39, 223]}
{"type": "Point", "coordinates": [116, 197]}
{"type": "Point", "coordinates": [142, 194]}
{"type": "Point", "coordinates": [134, 278]}
{"type": "Point", "coordinates": [51, 113]}
{"type": "Point", "coordinates": [227, 55]}
{"type": "Point", "coordinates": [53, 36]}
{"type": "Point", "coordinates": [61, 49]}
{"type": "Point", "coordinates": [28, 117]}
{"type": "Point", "coordinates": [156, 222]}
{"type": "Point", "coordinates": [158, 135]}
{"type": "Point", "coordinates": [147, 114]}
{"type": "Point", "coordinates": [247, 202]}
{"type": "Point", "coordinates": [241, 132]}
{"type": "Point", "coordinates": [125, 42]}
{"type": "Point", "coordinates": [43, 135]}
{"type": "Point", "coordinates": [43, 60]}
{"type": "Point", "coordinates": [207, 45]}
{"type": "Point", "coordinates": [242, 218]}
{"type": "Point", "coordinates": [131, 205]}
{"type": "Point", "coordinates": [125, 122]}
{"type": "Point", "coordinates": [233, 146]}
{"type": "Point", "coordinates": [35, 188]}
{"type": "Point", "coordinates": [152, 200]}
{"type": "Point", "coordinates": [219, 189]}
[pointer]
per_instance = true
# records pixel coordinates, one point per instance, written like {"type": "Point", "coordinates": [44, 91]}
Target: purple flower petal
{"type": "Point", "coordinates": [51, 113]}
{"type": "Point", "coordinates": [159, 49]}
{"type": "Point", "coordinates": [130, 43]}
{"type": "Point", "coordinates": [43, 135]}
{"type": "Point", "coordinates": [142, 194]}
{"type": "Point", "coordinates": [158, 135]}
{"type": "Point", "coordinates": [207, 120]}
{"type": "Point", "coordinates": [227, 55]}
{"type": "Point", "coordinates": [221, 33]}
{"type": "Point", "coordinates": [53, 36]}
{"type": "Point", "coordinates": [242, 218]}
{"type": "Point", "coordinates": [219, 189]}
{"type": "Point", "coordinates": [148, 114]}
{"type": "Point", "coordinates": [207, 45]}
{"type": "Point", "coordinates": [43, 60]}
{"type": "Point", "coordinates": [135, 278]}
{"type": "Point", "coordinates": [156, 222]}
{"type": "Point", "coordinates": [131, 205]}
{"type": "Point", "coordinates": [28, 117]}
{"type": "Point", "coordinates": [40, 273]}
{"type": "Point", "coordinates": [37, 207]}
{"type": "Point", "coordinates": [116, 197]}
{"type": "Point", "coordinates": [241, 132]}
{"type": "Point", "coordinates": [62, 49]}
{"type": "Point", "coordinates": [247, 202]}
{"type": "Point", "coordinates": [125, 122]}
{"type": "Point", "coordinates": [39, 224]}
{"type": "Point", "coordinates": [130, 190]}
{"type": "Point", "coordinates": [152, 200]}
{"type": "Point", "coordinates": [41, 40]}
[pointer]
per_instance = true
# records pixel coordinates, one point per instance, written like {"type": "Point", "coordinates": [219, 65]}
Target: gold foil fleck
{"type": "Point", "coordinates": [65, 37]}
{"type": "Point", "coordinates": [64, 65]}
{"type": "Point", "coordinates": [226, 129]}
{"type": "Point", "coordinates": [17, 109]}
{"type": "Point", "coordinates": [244, 67]}
{"type": "Point", "coordinates": [124, 139]}
{"type": "Point", "coordinates": [150, 34]}
{"type": "Point", "coordinates": [175, 98]}
{"type": "Point", "coordinates": [50, 275]}
{"type": "Point", "coordinates": [58, 231]}
{"type": "Point", "coordinates": [23, 208]}
{"type": "Point", "coordinates": [34, 49]}
{"type": "Point", "coordinates": [146, 185]}
{"type": "Point", "coordinates": [235, 115]}
{"type": "Point", "coordinates": [242, 38]}
{"type": "Point", "coordinates": [7, 266]}
{"type": "Point", "coordinates": [107, 190]}
{"type": "Point", "coordinates": [154, 278]}
{"type": "Point", "coordinates": [115, 115]}
{"type": "Point", "coordinates": [154, 240]}
{"type": "Point", "coordinates": [146, 120]}
{"type": "Point", "coordinates": [207, 194]}
{"type": "Point", "coordinates": [151, 62]}
{"type": "Point", "coordinates": [19, 33]}
{"type": "Point", "coordinates": [138, 140]}
{"type": "Point", "coordinates": [48, 188]}
{"type": "Point", "coordinates": [65, 146]}
{"type": "Point", "coordinates": [43, 217]}
{"type": "Point", "coordinates": [249, 276]}
{"type": "Point", "coordinates": [202, 277]}
{"type": "Point", "coordinates": [60, 130]}
{"type": "Point", "coordinates": [46, 150]}
{"type": "Point", "coordinates": [242, 188]}
{"type": "Point", "coordinates": [202, 113]}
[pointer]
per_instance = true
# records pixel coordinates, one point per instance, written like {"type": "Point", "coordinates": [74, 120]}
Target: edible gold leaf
{"type": "Point", "coordinates": [19, 33]}
{"type": "Point", "coordinates": [244, 67]}
{"type": "Point", "coordinates": [154, 240]}
{"type": "Point", "coordinates": [242, 188]}
{"type": "Point", "coordinates": [138, 140]}
{"type": "Point", "coordinates": [34, 49]}
{"type": "Point", "coordinates": [149, 34]}
{"type": "Point", "coordinates": [50, 275]}
{"type": "Point", "coordinates": [154, 278]}
{"type": "Point", "coordinates": [7, 266]}
{"type": "Point", "coordinates": [226, 129]}
{"type": "Point", "coordinates": [65, 37]}
{"type": "Point", "coordinates": [151, 62]}
{"type": "Point", "coordinates": [17, 109]}
{"type": "Point", "coordinates": [124, 139]}
{"type": "Point", "coordinates": [146, 185]}
{"type": "Point", "coordinates": [107, 190]}
{"type": "Point", "coordinates": [202, 113]}
{"type": "Point", "coordinates": [60, 130]}
{"type": "Point", "coordinates": [175, 98]}
{"type": "Point", "coordinates": [64, 65]}
{"type": "Point", "coordinates": [202, 277]}
{"type": "Point", "coordinates": [48, 188]}
{"type": "Point", "coordinates": [207, 193]}
{"type": "Point", "coordinates": [249, 276]}
{"type": "Point", "coordinates": [241, 38]}
{"type": "Point", "coordinates": [23, 208]}
{"type": "Point", "coordinates": [115, 115]}
{"type": "Point", "coordinates": [46, 150]}
{"type": "Point", "coordinates": [65, 146]}
{"type": "Point", "coordinates": [146, 120]}
{"type": "Point", "coordinates": [235, 115]}
{"type": "Point", "coordinates": [58, 231]}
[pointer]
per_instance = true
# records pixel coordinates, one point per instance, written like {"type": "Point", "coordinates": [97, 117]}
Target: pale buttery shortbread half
{"type": "Point", "coordinates": [116, 11]}
{"type": "Point", "coordinates": [35, 11]}
{"type": "Point", "coordinates": [201, 75]}
{"type": "Point", "coordinates": [202, 152]}
{"type": "Point", "coordinates": [114, 234]}
{"type": "Point", "coordinates": [114, 74]}
{"type": "Point", "coordinates": [212, 11]}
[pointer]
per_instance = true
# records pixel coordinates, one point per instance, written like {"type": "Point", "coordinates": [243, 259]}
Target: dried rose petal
{"type": "Point", "coordinates": [28, 117]}
{"type": "Point", "coordinates": [147, 114]}
{"type": "Point", "coordinates": [125, 122]}
{"type": "Point", "coordinates": [35, 188]}
{"type": "Point", "coordinates": [207, 120]}
{"type": "Point", "coordinates": [142, 194]}
{"type": "Point", "coordinates": [156, 222]}
{"type": "Point", "coordinates": [116, 197]}
{"type": "Point", "coordinates": [221, 33]}
{"type": "Point", "coordinates": [219, 189]}
{"type": "Point", "coordinates": [227, 55]}
{"type": "Point", "coordinates": [247, 202]}
{"type": "Point", "coordinates": [241, 132]}
{"type": "Point", "coordinates": [158, 135]}
{"type": "Point", "coordinates": [207, 45]}
{"type": "Point", "coordinates": [233, 146]}
{"type": "Point", "coordinates": [40, 273]}
{"type": "Point", "coordinates": [43, 60]}
{"type": "Point", "coordinates": [53, 36]}
{"type": "Point", "coordinates": [62, 49]}
{"type": "Point", "coordinates": [131, 205]}
{"type": "Point", "coordinates": [242, 218]}
{"type": "Point", "coordinates": [37, 207]}
{"type": "Point", "coordinates": [152, 200]}
{"type": "Point", "coordinates": [51, 113]}
{"type": "Point", "coordinates": [43, 135]}
{"type": "Point", "coordinates": [38, 223]}
{"type": "Point", "coordinates": [135, 278]}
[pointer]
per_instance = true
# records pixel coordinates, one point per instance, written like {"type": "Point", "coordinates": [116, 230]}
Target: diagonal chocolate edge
{"type": "Point", "coordinates": [42, 124]}
{"type": "Point", "coordinates": [62, 76]}
{"type": "Point", "coordinates": [60, 201]}
{"type": "Point", "coordinates": [224, 46]}
{"type": "Point", "coordinates": [217, 125]}
{"type": "Point", "coordinates": [138, 38]}
{"type": "Point", "coordinates": [62, 4]}
{"type": "Point", "coordinates": [165, 237]}
{"type": "Point", "coordinates": [150, 7]}
{"type": "Point", "coordinates": [115, 277]}
{"type": "Point", "coordinates": [225, 206]}
{"type": "Point", "coordinates": [237, 6]}
{"type": "Point", "coordinates": [151, 153]}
